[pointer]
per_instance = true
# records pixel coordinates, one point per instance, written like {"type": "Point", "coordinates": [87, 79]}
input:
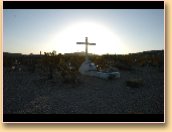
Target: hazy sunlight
{"type": "Point", "coordinates": [106, 41]}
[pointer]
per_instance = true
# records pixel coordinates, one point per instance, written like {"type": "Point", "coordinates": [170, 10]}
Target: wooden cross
{"type": "Point", "coordinates": [86, 46]}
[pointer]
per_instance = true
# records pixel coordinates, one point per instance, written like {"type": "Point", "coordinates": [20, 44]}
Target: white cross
{"type": "Point", "coordinates": [86, 46]}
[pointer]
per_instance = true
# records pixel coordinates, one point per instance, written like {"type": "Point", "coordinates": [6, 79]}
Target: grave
{"type": "Point", "coordinates": [89, 68]}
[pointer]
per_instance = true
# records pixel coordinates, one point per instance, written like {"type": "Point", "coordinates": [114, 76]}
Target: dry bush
{"type": "Point", "coordinates": [134, 83]}
{"type": "Point", "coordinates": [123, 66]}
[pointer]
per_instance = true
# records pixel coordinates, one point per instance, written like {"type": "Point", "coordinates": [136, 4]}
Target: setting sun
{"type": "Point", "coordinates": [106, 40]}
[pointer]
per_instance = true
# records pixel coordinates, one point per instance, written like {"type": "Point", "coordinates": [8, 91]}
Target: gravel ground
{"type": "Point", "coordinates": [28, 93]}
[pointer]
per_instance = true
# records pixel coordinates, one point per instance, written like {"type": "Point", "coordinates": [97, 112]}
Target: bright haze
{"type": "Point", "coordinates": [115, 31]}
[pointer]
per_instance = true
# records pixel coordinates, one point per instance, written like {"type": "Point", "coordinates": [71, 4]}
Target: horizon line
{"type": "Point", "coordinates": [83, 52]}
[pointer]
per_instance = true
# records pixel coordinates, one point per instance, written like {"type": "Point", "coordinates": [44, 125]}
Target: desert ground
{"type": "Point", "coordinates": [30, 93]}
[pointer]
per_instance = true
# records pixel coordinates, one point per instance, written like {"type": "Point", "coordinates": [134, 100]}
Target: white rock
{"type": "Point", "coordinates": [89, 68]}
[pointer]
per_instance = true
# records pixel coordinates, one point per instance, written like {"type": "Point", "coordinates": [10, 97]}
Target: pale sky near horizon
{"type": "Point", "coordinates": [117, 31]}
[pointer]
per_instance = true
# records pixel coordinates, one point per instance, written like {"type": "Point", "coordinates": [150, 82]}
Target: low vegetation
{"type": "Point", "coordinates": [134, 83]}
{"type": "Point", "coordinates": [66, 66]}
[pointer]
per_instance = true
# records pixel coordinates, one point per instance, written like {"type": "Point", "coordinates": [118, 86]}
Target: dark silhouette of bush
{"type": "Point", "coordinates": [134, 83]}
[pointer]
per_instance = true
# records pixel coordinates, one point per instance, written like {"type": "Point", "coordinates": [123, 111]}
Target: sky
{"type": "Point", "coordinates": [115, 31]}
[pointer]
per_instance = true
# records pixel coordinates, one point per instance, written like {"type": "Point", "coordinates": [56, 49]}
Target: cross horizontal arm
{"type": "Point", "coordinates": [80, 42]}
{"type": "Point", "coordinates": [91, 43]}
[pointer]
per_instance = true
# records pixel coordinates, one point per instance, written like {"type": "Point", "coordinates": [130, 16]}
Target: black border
{"type": "Point", "coordinates": [83, 118]}
{"type": "Point", "coordinates": [83, 4]}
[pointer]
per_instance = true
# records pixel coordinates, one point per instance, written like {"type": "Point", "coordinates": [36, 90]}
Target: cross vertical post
{"type": "Point", "coordinates": [86, 48]}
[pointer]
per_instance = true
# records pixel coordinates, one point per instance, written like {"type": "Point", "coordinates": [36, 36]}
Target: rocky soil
{"type": "Point", "coordinates": [29, 93]}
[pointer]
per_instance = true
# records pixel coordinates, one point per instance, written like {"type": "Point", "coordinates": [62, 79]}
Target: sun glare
{"type": "Point", "coordinates": [106, 40]}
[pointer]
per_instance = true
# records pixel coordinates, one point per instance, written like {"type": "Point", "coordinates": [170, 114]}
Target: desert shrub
{"type": "Point", "coordinates": [31, 68]}
{"type": "Point", "coordinates": [61, 67]}
{"type": "Point", "coordinates": [134, 83]}
{"type": "Point", "coordinates": [123, 66]}
{"type": "Point", "coordinates": [49, 63]}
{"type": "Point", "coordinates": [68, 75]}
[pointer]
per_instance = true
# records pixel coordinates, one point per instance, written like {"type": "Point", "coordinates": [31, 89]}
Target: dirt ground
{"type": "Point", "coordinates": [29, 93]}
